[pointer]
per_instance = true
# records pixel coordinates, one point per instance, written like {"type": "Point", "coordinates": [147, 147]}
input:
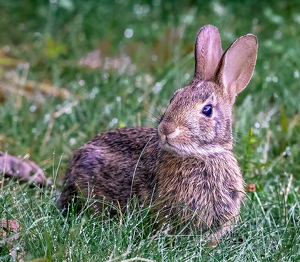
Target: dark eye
{"type": "Point", "coordinates": [207, 110]}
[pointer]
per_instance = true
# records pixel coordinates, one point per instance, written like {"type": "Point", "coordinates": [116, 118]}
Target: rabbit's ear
{"type": "Point", "coordinates": [237, 65]}
{"type": "Point", "coordinates": [208, 52]}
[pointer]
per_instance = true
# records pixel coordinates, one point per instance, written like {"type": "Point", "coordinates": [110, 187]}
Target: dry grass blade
{"type": "Point", "coordinates": [12, 82]}
{"type": "Point", "coordinates": [287, 191]}
{"type": "Point", "coordinates": [288, 187]}
{"type": "Point", "coordinates": [22, 83]}
{"type": "Point", "coordinates": [121, 218]}
{"type": "Point", "coordinates": [65, 109]}
{"type": "Point", "coordinates": [57, 114]}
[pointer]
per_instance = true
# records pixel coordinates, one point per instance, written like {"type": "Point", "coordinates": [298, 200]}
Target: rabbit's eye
{"type": "Point", "coordinates": [207, 110]}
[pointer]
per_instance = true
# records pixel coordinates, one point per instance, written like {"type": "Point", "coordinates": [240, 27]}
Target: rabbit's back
{"type": "Point", "coordinates": [113, 166]}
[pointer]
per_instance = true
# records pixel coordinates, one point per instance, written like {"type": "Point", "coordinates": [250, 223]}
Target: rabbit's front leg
{"type": "Point", "coordinates": [214, 237]}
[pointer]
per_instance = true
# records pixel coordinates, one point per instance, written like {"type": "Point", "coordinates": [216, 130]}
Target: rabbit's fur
{"type": "Point", "coordinates": [186, 165]}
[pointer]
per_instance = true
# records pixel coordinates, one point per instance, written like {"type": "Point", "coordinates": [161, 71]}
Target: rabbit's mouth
{"type": "Point", "coordinates": [169, 148]}
{"type": "Point", "coordinates": [174, 149]}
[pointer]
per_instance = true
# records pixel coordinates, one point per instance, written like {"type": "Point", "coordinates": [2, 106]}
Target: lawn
{"type": "Point", "coordinates": [70, 69]}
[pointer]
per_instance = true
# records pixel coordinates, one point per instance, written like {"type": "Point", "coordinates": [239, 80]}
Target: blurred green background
{"type": "Point", "coordinates": [70, 69]}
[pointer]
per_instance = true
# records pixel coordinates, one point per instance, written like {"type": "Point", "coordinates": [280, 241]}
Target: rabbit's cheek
{"type": "Point", "coordinates": [206, 132]}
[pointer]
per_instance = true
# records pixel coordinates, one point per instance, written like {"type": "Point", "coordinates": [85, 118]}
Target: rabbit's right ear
{"type": "Point", "coordinates": [208, 53]}
{"type": "Point", "coordinates": [237, 65]}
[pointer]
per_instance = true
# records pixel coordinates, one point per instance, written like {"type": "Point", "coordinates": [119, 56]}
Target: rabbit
{"type": "Point", "coordinates": [185, 166]}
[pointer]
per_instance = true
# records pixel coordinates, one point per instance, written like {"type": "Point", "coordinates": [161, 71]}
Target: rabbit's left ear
{"type": "Point", "coordinates": [237, 65]}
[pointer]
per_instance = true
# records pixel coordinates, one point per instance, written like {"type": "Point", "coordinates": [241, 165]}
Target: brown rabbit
{"type": "Point", "coordinates": [186, 165]}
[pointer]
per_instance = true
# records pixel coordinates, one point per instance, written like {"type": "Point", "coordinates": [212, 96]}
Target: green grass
{"type": "Point", "coordinates": [266, 232]}
{"type": "Point", "coordinates": [51, 39]}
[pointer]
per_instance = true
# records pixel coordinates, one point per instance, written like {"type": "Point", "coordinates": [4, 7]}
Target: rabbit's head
{"type": "Point", "coordinates": [198, 119]}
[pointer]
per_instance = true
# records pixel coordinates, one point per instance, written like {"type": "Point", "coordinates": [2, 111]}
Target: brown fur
{"type": "Point", "coordinates": [186, 166]}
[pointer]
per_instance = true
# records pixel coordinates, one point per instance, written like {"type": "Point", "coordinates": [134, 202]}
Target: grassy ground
{"type": "Point", "coordinates": [50, 105]}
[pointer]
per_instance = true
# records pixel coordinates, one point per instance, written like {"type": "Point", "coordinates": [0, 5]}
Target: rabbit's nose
{"type": "Point", "coordinates": [167, 128]}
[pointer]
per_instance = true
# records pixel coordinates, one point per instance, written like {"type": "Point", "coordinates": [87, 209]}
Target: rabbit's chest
{"type": "Point", "coordinates": [192, 188]}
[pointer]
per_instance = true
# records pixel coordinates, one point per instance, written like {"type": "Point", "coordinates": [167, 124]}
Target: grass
{"type": "Point", "coordinates": [268, 232]}
{"type": "Point", "coordinates": [41, 44]}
